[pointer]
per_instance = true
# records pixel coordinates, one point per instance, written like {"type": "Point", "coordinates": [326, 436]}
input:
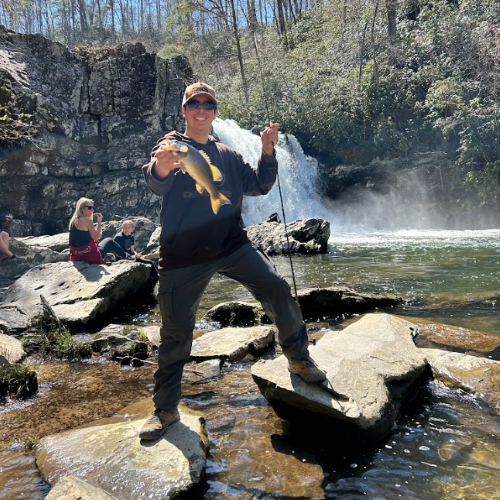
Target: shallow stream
{"type": "Point", "coordinates": [448, 447]}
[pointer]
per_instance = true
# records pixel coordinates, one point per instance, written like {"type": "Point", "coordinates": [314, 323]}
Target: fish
{"type": "Point", "coordinates": [199, 166]}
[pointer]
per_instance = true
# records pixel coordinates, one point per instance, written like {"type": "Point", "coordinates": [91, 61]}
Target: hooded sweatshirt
{"type": "Point", "coordinates": [191, 233]}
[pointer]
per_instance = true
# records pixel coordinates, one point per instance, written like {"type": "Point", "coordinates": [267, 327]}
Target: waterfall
{"type": "Point", "coordinates": [298, 177]}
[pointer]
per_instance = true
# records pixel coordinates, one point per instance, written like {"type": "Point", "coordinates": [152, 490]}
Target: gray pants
{"type": "Point", "coordinates": [179, 296]}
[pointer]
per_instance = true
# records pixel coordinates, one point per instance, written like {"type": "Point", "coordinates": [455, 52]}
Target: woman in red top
{"type": "Point", "coordinates": [83, 235]}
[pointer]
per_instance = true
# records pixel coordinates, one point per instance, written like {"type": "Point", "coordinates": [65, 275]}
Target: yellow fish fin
{"type": "Point", "coordinates": [216, 174]}
{"type": "Point", "coordinates": [218, 201]}
{"type": "Point", "coordinates": [199, 188]}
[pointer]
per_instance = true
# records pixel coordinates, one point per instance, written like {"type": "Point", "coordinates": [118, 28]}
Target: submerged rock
{"type": "Point", "coordinates": [72, 488]}
{"type": "Point", "coordinates": [81, 295]}
{"type": "Point", "coordinates": [307, 236]}
{"type": "Point", "coordinates": [479, 376]}
{"type": "Point", "coordinates": [372, 366]}
{"type": "Point", "coordinates": [232, 344]}
{"type": "Point", "coordinates": [111, 457]}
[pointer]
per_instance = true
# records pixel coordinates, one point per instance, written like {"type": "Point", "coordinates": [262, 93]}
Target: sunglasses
{"type": "Point", "coordinates": [207, 105]}
{"type": "Point", "coordinates": [90, 208]}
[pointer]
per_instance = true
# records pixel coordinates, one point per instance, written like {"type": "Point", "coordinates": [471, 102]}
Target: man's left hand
{"type": "Point", "coordinates": [270, 138]}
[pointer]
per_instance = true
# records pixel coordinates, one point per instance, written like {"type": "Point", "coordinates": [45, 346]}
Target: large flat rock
{"type": "Point", "coordinates": [111, 457]}
{"type": "Point", "coordinates": [232, 344]}
{"type": "Point", "coordinates": [82, 295]}
{"type": "Point", "coordinates": [372, 366]}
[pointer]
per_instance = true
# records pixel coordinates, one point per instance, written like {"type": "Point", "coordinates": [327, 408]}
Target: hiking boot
{"type": "Point", "coordinates": [156, 425]}
{"type": "Point", "coordinates": [307, 370]}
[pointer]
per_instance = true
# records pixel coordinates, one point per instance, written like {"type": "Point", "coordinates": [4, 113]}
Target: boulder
{"type": "Point", "coordinates": [456, 338]}
{"type": "Point", "coordinates": [83, 296]}
{"type": "Point", "coordinates": [33, 255]}
{"type": "Point", "coordinates": [73, 488]}
{"type": "Point", "coordinates": [234, 313]}
{"type": "Point", "coordinates": [373, 368]}
{"type": "Point", "coordinates": [232, 344]}
{"type": "Point", "coordinates": [206, 370]}
{"type": "Point", "coordinates": [319, 303]}
{"type": "Point", "coordinates": [315, 303]}
{"type": "Point", "coordinates": [56, 242]}
{"type": "Point", "coordinates": [110, 456]}
{"type": "Point", "coordinates": [13, 321]}
{"type": "Point", "coordinates": [473, 374]}
{"type": "Point", "coordinates": [154, 241]}
{"type": "Point", "coordinates": [11, 348]}
{"type": "Point", "coordinates": [307, 236]}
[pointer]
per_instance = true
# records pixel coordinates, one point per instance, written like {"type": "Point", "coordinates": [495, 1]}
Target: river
{"type": "Point", "coordinates": [446, 447]}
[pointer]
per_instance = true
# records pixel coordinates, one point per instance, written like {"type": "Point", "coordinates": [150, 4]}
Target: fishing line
{"type": "Point", "coordinates": [264, 93]}
{"type": "Point", "coordinates": [286, 234]}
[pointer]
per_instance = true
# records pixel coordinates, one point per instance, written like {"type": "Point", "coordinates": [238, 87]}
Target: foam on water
{"type": "Point", "coordinates": [300, 190]}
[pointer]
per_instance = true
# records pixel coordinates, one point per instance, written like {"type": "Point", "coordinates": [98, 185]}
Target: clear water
{"type": "Point", "coordinates": [446, 448]}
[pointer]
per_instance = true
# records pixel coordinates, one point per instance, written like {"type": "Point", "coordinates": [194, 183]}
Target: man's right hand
{"type": "Point", "coordinates": [166, 161]}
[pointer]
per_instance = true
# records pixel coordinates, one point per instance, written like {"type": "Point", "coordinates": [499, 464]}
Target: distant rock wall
{"type": "Point", "coordinates": [81, 123]}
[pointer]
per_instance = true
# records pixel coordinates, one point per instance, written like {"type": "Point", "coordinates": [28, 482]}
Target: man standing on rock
{"type": "Point", "coordinates": [196, 242]}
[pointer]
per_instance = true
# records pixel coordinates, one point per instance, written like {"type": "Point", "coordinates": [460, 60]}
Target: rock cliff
{"type": "Point", "coordinates": [81, 123]}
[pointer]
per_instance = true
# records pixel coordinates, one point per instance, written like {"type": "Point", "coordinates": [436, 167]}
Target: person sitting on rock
{"type": "Point", "coordinates": [83, 235]}
{"type": "Point", "coordinates": [123, 246]}
{"type": "Point", "coordinates": [6, 219]}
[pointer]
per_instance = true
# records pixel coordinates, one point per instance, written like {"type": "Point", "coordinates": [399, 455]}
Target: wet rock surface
{"type": "Point", "coordinates": [372, 367]}
{"type": "Point", "coordinates": [111, 457]}
{"type": "Point", "coordinates": [73, 488]}
{"type": "Point", "coordinates": [458, 339]}
{"type": "Point", "coordinates": [475, 375]}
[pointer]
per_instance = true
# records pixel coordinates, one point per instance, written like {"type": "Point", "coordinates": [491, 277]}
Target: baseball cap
{"type": "Point", "coordinates": [199, 88]}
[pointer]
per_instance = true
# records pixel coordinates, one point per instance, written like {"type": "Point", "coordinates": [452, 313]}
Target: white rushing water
{"type": "Point", "coordinates": [298, 177]}
{"type": "Point", "coordinates": [300, 189]}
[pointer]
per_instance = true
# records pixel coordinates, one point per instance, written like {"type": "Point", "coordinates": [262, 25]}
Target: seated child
{"type": "Point", "coordinates": [122, 245]}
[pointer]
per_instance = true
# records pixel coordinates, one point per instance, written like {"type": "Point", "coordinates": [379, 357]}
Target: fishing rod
{"type": "Point", "coordinates": [277, 177]}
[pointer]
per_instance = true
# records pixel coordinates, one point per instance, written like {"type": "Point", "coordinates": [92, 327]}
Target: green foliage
{"type": "Point", "coordinates": [347, 90]}
{"type": "Point", "coordinates": [18, 381]}
{"type": "Point", "coordinates": [51, 339]}
{"type": "Point", "coordinates": [142, 336]}
{"type": "Point", "coordinates": [351, 98]}
{"type": "Point", "coordinates": [30, 443]}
